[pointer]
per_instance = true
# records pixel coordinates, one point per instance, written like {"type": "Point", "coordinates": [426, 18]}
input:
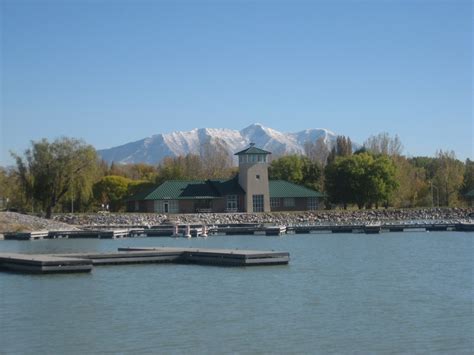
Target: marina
{"type": "Point", "coordinates": [199, 230]}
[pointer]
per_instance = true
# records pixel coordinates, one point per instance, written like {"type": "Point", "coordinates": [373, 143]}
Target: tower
{"type": "Point", "coordinates": [253, 178]}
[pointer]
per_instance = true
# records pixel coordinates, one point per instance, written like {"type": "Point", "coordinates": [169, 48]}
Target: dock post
{"type": "Point", "coordinates": [187, 232]}
{"type": "Point", "coordinates": [175, 231]}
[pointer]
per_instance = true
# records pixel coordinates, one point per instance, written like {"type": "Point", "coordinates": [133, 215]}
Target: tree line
{"type": "Point", "coordinates": [66, 175]}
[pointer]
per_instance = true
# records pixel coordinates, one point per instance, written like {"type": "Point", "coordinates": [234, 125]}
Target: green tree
{"type": "Point", "coordinates": [361, 179]}
{"type": "Point", "coordinates": [342, 148]}
{"type": "Point", "coordinates": [313, 176]}
{"type": "Point", "coordinates": [49, 171]}
{"type": "Point", "coordinates": [428, 164]}
{"type": "Point", "coordinates": [288, 167]}
{"type": "Point", "coordinates": [413, 190]}
{"type": "Point", "coordinates": [111, 190]}
{"type": "Point", "coordinates": [382, 176]}
{"type": "Point", "coordinates": [338, 174]}
{"type": "Point", "coordinates": [468, 178]}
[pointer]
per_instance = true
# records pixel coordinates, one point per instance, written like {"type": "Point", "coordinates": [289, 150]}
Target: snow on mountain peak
{"type": "Point", "coordinates": [154, 149]}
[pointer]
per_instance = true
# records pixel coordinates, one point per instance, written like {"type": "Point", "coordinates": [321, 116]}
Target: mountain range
{"type": "Point", "coordinates": [153, 149]}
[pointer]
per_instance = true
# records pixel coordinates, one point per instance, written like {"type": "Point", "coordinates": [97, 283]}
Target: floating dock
{"type": "Point", "coordinates": [198, 230]}
{"type": "Point", "coordinates": [83, 262]}
{"type": "Point", "coordinates": [42, 264]}
{"type": "Point", "coordinates": [224, 257]}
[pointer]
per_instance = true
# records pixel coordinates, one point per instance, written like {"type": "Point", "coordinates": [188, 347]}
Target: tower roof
{"type": "Point", "coordinates": [253, 150]}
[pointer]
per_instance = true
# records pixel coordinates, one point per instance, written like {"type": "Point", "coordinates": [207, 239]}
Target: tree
{"type": "Point", "coordinates": [11, 190]}
{"type": "Point", "coordinates": [448, 177]}
{"type": "Point", "coordinates": [317, 151]}
{"type": "Point", "coordinates": [215, 159]}
{"type": "Point", "coordinates": [428, 164]}
{"type": "Point", "coordinates": [468, 178]}
{"type": "Point", "coordinates": [49, 171]}
{"type": "Point", "coordinates": [413, 190]}
{"type": "Point", "coordinates": [342, 148]}
{"type": "Point", "coordinates": [313, 177]}
{"type": "Point", "coordinates": [361, 179]}
{"type": "Point", "coordinates": [288, 167]}
{"type": "Point", "coordinates": [382, 178]}
{"type": "Point", "coordinates": [111, 190]}
{"type": "Point", "coordinates": [338, 174]}
{"type": "Point", "coordinates": [382, 143]}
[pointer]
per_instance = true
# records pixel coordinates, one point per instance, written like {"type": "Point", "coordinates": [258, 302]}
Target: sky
{"type": "Point", "coordinates": [111, 72]}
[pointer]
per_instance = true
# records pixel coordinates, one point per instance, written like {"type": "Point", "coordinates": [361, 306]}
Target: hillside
{"type": "Point", "coordinates": [153, 149]}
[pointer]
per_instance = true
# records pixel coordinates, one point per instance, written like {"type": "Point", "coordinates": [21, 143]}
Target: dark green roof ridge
{"type": "Point", "coordinates": [282, 189]}
{"type": "Point", "coordinates": [253, 150]}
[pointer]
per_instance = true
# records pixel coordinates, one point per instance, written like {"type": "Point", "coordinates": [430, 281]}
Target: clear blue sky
{"type": "Point", "coordinates": [112, 72]}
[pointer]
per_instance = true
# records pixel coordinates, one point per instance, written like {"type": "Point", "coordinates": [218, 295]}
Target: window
{"type": "Point", "coordinates": [257, 203]}
{"type": "Point", "coordinates": [232, 204]}
{"type": "Point", "coordinates": [257, 177]}
{"type": "Point", "coordinates": [312, 203]}
{"type": "Point", "coordinates": [137, 206]}
{"type": "Point", "coordinates": [274, 202]}
{"type": "Point", "coordinates": [289, 202]}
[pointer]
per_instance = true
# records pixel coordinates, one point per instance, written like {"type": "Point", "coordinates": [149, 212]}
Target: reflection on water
{"type": "Point", "coordinates": [345, 293]}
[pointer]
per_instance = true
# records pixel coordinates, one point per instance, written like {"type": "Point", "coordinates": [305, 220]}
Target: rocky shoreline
{"type": "Point", "coordinates": [16, 222]}
{"type": "Point", "coordinates": [447, 215]}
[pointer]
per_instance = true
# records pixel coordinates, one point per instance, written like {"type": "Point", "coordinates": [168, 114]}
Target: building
{"type": "Point", "coordinates": [249, 191]}
{"type": "Point", "coordinates": [470, 198]}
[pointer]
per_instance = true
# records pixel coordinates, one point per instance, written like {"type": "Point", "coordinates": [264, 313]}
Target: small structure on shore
{"type": "Point", "coordinates": [470, 197]}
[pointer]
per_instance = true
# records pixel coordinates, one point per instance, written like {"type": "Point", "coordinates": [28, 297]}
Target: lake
{"type": "Point", "coordinates": [341, 293]}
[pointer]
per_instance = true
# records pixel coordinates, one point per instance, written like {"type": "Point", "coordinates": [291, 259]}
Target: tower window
{"type": "Point", "coordinates": [257, 203]}
{"type": "Point", "coordinates": [258, 177]}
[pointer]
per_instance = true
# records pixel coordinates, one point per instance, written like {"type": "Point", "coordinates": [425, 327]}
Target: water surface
{"type": "Point", "coordinates": [344, 293]}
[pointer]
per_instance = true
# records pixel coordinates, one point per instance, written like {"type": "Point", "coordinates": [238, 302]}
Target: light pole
{"type": "Point", "coordinates": [72, 198]}
{"type": "Point", "coordinates": [437, 195]}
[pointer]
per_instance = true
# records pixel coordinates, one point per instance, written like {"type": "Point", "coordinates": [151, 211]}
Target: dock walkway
{"type": "Point", "coordinates": [199, 230]}
{"type": "Point", "coordinates": [43, 263]}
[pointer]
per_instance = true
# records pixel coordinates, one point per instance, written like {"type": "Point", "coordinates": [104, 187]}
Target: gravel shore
{"type": "Point", "coordinates": [284, 218]}
{"type": "Point", "coordinates": [15, 222]}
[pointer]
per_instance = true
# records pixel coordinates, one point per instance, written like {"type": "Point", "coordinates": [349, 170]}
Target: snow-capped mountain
{"type": "Point", "coordinates": [153, 149]}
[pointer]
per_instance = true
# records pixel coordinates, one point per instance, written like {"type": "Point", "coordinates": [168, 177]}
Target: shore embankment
{"type": "Point", "coordinates": [341, 217]}
{"type": "Point", "coordinates": [17, 222]}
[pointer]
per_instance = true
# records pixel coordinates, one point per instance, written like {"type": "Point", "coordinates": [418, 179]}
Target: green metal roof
{"type": "Point", "coordinates": [192, 189]}
{"type": "Point", "coordinates": [141, 195]}
{"type": "Point", "coordinates": [281, 189]}
{"type": "Point", "coordinates": [183, 190]}
{"type": "Point", "coordinates": [252, 150]}
{"type": "Point", "coordinates": [470, 193]}
{"type": "Point", "coordinates": [214, 189]}
{"type": "Point", "coordinates": [227, 187]}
